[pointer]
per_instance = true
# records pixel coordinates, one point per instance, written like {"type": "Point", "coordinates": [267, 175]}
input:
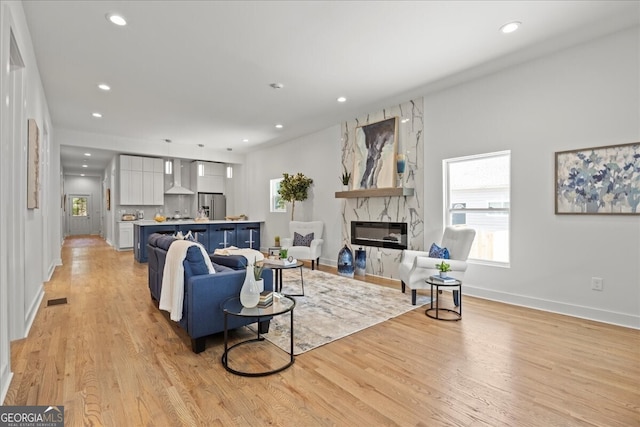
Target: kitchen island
{"type": "Point", "coordinates": [213, 234]}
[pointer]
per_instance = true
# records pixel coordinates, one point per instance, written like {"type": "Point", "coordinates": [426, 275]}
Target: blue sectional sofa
{"type": "Point", "coordinates": [203, 292]}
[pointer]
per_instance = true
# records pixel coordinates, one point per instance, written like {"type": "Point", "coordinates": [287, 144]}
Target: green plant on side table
{"type": "Point", "coordinates": [443, 268]}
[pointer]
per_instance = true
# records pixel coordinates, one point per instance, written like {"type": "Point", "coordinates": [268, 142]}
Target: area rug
{"type": "Point", "coordinates": [334, 307]}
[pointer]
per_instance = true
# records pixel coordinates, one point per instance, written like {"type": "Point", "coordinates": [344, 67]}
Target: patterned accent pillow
{"type": "Point", "coordinates": [299, 240]}
{"type": "Point", "coordinates": [437, 252]}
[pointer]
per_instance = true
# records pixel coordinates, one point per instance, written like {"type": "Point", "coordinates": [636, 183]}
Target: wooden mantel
{"type": "Point", "coordinates": [374, 192]}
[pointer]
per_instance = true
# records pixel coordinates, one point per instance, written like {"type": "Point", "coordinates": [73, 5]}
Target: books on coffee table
{"type": "Point", "coordinates": [444, 280]}
{"type": "Point", "coordinates": [266, 299]}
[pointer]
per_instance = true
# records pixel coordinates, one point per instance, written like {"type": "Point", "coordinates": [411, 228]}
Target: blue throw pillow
{"type": "Point", "coordinates": [437, 252]}
{"type": "Point", "coordinates": [299, 240]}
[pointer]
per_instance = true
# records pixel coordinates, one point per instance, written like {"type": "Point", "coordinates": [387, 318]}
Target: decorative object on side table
{"type": "Point", "coordinates": [361, 262]}
{"type": "Point", "coordinates": [277, 241]}
{"type": "Point", "coordinates": [249, 293]}
{"type": "Point", "coordinates": [294, 188]}
{"type": "Point", "coordinates": [345, 262]}
{"type": "Point", "coordinates": [443, 268]}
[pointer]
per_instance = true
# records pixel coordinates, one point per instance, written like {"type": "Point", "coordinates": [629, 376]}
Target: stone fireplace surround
{"type": "Point", "coordinates": [384, 261]}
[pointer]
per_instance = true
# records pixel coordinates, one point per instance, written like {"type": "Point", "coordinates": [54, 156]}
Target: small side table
{"type": "Point", "coordinates": [233, 307]}
{"type": "Point", "coordinates": [434, 312]}
{"type": "Point", "coordinates": [277, 274]}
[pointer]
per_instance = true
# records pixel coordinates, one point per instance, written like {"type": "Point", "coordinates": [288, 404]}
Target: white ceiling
{"type": "Point", "coordinates": [198, 72]}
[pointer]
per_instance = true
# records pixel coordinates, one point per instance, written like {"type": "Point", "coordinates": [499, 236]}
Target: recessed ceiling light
{"type": "Point", "coordinates": [85, 166]}
{"type": "Point", "coordinates": [81, 174]}
{"type": "Point", "coordinates": [276, 85]}
{"type": "Point", "coordinates": [104, 87]}
{"type": "Point", "coordinates": [342, 99]}
{"type": "Point", "coordinates": [279, 126]}
{"type": "Point", "coordinates": [510, 27]}
{"type": "Point", "coordinates": [245, 140]}
{"type": "Point", "coordinates": [87, 154]}
{"type": "Point", "coordinates": [98, 115]}
{"type": "Point", "coordinates": [116, 19]}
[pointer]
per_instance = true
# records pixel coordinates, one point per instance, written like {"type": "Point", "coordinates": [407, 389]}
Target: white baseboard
{"type": "Point", "coordinates": [33, 310]}
{"type": "Point", "coordinates": [5, 382]}
{"type": "Point", "coordinates": [589, 313]}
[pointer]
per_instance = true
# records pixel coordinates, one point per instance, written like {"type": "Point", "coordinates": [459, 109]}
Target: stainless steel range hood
{"type": "Point", "coordinates": [177, 180]}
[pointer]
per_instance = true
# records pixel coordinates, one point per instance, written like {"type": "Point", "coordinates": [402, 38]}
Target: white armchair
{"type": "Point", "coordinates": [311, 252]}
{"type": "Point", "coordinates": [416, 266]}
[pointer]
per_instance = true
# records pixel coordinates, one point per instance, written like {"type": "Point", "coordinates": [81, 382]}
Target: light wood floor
{"type": "Point", "coordinates": [111, 358]}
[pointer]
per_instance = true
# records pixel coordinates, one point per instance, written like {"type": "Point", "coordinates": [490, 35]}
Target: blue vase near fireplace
{"type": "Point", "coordinates": [345, 262]}
{"type": "Point", "coordinates": [361, 262]}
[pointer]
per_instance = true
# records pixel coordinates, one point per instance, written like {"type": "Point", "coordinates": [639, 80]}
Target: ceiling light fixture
{"type": "Point", "coordinates": [168, 164]}
{"type": "Point", "coordinates": [96, 115]}
{"type": "Point", "coordinates": [81, 174]}
{"type": "Point", "coordinates": [276, 85]}
{"type": "Point", "coordinates": [116, 19]}
{"type": "Point", "coordinates": [85, 166]}
{"type": "Point", "coordinates": [105, 87]}
{"type": "Point", "coordinates": [342, 99]}
{"type": "Point", "coordinates": [87, 154]}
{"type": "Point", "coordinates": [279, 126]}
{"type": "Point", "coordinates": [245, 140]}
{"type": "Point", "coordinates": [510, 27]}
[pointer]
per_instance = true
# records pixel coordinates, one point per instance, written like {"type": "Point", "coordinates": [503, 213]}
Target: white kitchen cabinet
{"type": "Point", "coordinates": [141, 181]}
{"type": "Point", "coordinates": [208, 176]}
{"type": "Point", "coordinates": [125, 235]}
{"type": "Point", "coordinates": [152, 182]}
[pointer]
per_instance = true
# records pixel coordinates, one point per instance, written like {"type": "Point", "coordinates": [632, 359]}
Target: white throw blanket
{"type": "Point", "coordinates": [251, 255]}
{"type": "Point", "coordinates": [172, 292]}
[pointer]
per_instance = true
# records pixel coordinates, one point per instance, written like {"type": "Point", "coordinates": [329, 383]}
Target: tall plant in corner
{"type": "Point", "coordinates": [294, 188]}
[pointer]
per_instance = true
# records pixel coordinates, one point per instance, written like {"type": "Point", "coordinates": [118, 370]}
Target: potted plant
{"type": "Point", "coordinates": [294, 188]}
{"type": "Point", "coordinates": [345, 178]}
{"type": "Point", "coordinates": [443, 268]}
{"type": "Point", "coordinates": [257, 273]}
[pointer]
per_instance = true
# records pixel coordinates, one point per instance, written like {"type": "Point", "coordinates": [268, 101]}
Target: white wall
{"type": "Point", "coordinates": [317, 156]}
{"type": "Point", "coordinates": [580, 97]}
{"type": "Point", "coordinates": [29, 238]}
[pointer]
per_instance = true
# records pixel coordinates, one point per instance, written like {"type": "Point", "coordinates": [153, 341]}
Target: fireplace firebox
{"type": "Point", "coordinates": [391, 235]}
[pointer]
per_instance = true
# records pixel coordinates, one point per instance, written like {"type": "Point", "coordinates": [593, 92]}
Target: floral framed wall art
{"type": "Point", "coordinates": [598, 180]}
{"type": "Point", "coordinates": [374, 164]}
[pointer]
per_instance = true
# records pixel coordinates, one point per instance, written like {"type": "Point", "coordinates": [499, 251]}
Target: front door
{"type": "Point", "coordinates": [79, 214]}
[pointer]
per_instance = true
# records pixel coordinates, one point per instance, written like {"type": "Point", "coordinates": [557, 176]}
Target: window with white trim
{"type": "Point", "coordinates": [477, 194]}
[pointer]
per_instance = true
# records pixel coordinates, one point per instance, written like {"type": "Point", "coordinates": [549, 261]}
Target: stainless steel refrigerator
{"type": "Point", "coordinates": [214, 205]}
